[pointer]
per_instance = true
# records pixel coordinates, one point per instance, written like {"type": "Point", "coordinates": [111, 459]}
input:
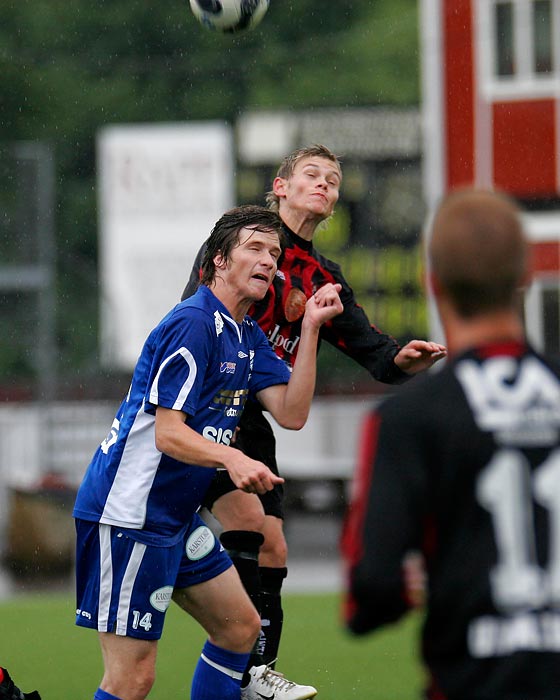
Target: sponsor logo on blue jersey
{"type": "Point", "coordinates": [200, 543]}
{"type": "Point", "coordinates": [229, 397]}
{"type": "Point", "coordinates": [219, 435]}
{"type": "Point", "coordinates": [161, 598]}
{"type": "Point", "coordinates": [227, 367]}
{"type": "Point", "coordinates": [218, 322]}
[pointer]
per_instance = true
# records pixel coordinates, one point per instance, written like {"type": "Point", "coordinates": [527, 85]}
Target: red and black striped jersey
{"type": "Point", "coordinates": [301, 271]}
{"type": "Point", "coordinates": [464, 466]}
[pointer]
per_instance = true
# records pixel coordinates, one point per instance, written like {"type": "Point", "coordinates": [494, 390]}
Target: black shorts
{"type": "Point", "coordinates": [255, 438]}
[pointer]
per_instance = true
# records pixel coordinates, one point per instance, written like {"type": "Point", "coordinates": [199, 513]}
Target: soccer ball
{"type": "Point", "coordinates": [229, 15]}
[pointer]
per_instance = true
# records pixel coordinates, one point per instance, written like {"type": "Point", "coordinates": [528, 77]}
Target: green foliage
{"type": "Point", "coordinates": [70, 68]}
{"type": "Point", "coordinates": [47, 651]}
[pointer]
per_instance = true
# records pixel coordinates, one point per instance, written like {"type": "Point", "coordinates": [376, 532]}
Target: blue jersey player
{"type": "Point", "coordinates": [140, 541]}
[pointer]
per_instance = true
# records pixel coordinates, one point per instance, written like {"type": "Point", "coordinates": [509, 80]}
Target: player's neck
{"type": "Point", "coordinates": [301, 223]}
{"type": "Point", "coordinates": [498, 327]}
{"type": "Point", "coordinates": [237, 307]}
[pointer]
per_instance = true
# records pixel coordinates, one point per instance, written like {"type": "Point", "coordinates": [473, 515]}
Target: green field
{"type": "Point", "coordinates": [42, 648]}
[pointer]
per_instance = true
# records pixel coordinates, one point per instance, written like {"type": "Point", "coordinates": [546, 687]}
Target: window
{"type": "Point", "coordinates": [542, 33]}
{"type": "Point", "coordinates": [542, 314]}
{"type": "Point", "coordinates": [504, 39]}
{"type": "Point", "coordinates": [551, 318]}
{"type": "Point", "coordinates": [519, 47]}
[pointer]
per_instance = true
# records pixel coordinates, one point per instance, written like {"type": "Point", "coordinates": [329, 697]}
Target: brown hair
{"type": "Point", "coordinates": [288, 164]}
{"type": "Point", "coordinates": [478, 250]}
{"type": "Point", "coordinates": [225, 234]}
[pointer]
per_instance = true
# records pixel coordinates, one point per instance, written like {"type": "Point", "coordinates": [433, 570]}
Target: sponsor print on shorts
{"type": "Point", "coordinates": [200, 543]}
{"type": "Point", "coordinates": [161, 598]}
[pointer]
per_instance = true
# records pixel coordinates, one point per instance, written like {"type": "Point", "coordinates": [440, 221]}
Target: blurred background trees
{"type": "Point", "coordinates": [68, 69]}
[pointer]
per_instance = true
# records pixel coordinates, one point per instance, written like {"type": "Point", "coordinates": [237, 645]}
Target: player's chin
{"type": "Point", "coordinates": [260, 286]}
{"type": "Point", "coordinates": [322, 211]}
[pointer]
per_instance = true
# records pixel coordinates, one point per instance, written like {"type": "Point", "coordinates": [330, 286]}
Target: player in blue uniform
{"type": "Point", "coordinates": [304, 192]}
{"type": "Point", "coordinates": [464, 465]}
{"type": "Point", "coordinates": [140, 541]}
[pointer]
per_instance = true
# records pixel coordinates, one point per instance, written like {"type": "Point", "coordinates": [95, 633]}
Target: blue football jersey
{"type": "Point", "coordinates": [197, 360]}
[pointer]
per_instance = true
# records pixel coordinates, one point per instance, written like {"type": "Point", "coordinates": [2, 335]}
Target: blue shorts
{"type": "Point", "coordinates": [125, 586]}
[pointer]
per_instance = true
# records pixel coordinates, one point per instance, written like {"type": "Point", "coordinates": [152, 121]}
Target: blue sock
{"type": "Point", "coordinates": [103, 695]}
{"type": "Point", "coordinates": [218, 674]}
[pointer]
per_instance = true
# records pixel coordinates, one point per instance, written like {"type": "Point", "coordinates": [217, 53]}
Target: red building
{"type": "Point", "coordinates": [491, 118]}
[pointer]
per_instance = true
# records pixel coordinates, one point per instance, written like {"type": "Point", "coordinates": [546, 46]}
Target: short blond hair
{"type": "Point", "coordinates": [289, 163]}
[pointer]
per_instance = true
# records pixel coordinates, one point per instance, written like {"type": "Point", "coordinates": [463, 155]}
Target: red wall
{"type": "Point", "coordinates": [525, 147]}
{"type": "Point", "coordinates": [545, 257]}
{"type": "Point", "coordinates": [459, 91]}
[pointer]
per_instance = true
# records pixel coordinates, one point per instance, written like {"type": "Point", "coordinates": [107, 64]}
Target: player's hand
{"type": "Point", "coordinates": [419, 355]}
{"type": "Point", "coordinates": [414, 579]}
{"type": "Point", "coordinates": [323, 305]}
{"type": "Point", "coordinates": [251, 476]}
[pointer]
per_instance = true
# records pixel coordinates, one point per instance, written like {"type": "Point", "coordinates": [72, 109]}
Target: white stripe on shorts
{"type": "Point", "coordinates": [224, 669]}
{"type": "Point", "coordinates": [105, 577]}
{"type": "Point", "coordinates": [127, 585]}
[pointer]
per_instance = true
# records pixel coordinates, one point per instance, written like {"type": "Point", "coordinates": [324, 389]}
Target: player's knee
{"type": "Point", "coordinates": [274, 550]}
{"type": "Point", "coordinates": [252, 629]}
{"type": "Point", "coordinates": [252, 520]}
{"type": "Point", "coordinates": [142, 682]}
{"type": "Point", "coordinates": [241, 633]}
{"type": "Point", "coordinates": [240, 513]}
{"type": "Point", "coordinates": [137, 685]}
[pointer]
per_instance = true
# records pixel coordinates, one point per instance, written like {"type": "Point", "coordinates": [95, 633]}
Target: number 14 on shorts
{"type": "Point", "coordinates": [139, 620]}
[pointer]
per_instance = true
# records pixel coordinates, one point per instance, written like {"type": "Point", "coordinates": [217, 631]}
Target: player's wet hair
{"type": "Point", "coordinates": [288, 164]}
{"type": "Point", "coordinates": [225, 234]}
{"type": "Point", "coordinates": [478, 251]}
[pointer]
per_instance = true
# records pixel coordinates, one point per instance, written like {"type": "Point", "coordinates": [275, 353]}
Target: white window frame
{"type": "Point", "coordinates": [525, 83]}
{"type": "Point", "coordinates": [534, 313]}
{"type": "Point", "coordinates": [542, 227]}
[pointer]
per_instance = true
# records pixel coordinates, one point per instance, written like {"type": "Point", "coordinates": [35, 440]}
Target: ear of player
{"type": "Point", "coordinates": [229, 16]}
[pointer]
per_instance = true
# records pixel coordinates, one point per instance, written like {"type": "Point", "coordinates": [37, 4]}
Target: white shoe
{"type": "Point", "coordinates": [267, 684]}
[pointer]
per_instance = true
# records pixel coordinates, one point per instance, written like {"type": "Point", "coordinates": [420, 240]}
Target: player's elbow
{"type": "Point", "coordinates": [164, 442]}
{"type": "Point", "coordinates": [161, 443]}
{"type": "Point", "coordinates": [294, 425]}
{"type": "Point", "coordinates": [293, 421]}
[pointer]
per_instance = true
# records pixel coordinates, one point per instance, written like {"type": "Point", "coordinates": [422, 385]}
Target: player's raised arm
{"type": "Point", "coordinates": [290, 403]}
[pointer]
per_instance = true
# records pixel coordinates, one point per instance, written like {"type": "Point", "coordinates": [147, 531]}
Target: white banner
{"type": "Point", "coordinates": [161, 189]}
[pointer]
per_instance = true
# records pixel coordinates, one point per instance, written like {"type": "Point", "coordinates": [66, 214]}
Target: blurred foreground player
{"type": "Point", "coordinates": [9, 691]}
{"type": "Point", "coordinates": [140, 540]}
{"type": "Point", "coordinates": [304, 193]}
{"type": "Point", "coordinates": [465, 465]}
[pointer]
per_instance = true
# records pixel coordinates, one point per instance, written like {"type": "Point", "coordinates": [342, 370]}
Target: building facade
{"type": "Point", "coordinates": [491, 118]}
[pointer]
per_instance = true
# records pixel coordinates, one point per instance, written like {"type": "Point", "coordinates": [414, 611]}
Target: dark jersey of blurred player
{"type": "Point", "coordinates": [301, 271]}
{"type": "Point", "coordinates": [466, 469]}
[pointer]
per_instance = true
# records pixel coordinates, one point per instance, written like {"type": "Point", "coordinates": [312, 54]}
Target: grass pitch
{"type": "Point", "coordinates": [42, 648]}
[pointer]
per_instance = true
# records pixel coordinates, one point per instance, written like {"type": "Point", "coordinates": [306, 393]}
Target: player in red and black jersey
{"type": "Point", "coordinates": [10, 691]}
{"type": "Point", "coordinates": [304, 193]}
{"type": "Point", "coordinates": [465, 466]}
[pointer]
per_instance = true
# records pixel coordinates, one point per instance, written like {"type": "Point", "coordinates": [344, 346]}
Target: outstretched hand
{"type": "Point", "coordinates": [418, 355]}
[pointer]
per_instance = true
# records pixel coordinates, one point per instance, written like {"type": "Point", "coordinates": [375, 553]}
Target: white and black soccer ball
{"type": "Point", "coordinates": [229, 15]}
